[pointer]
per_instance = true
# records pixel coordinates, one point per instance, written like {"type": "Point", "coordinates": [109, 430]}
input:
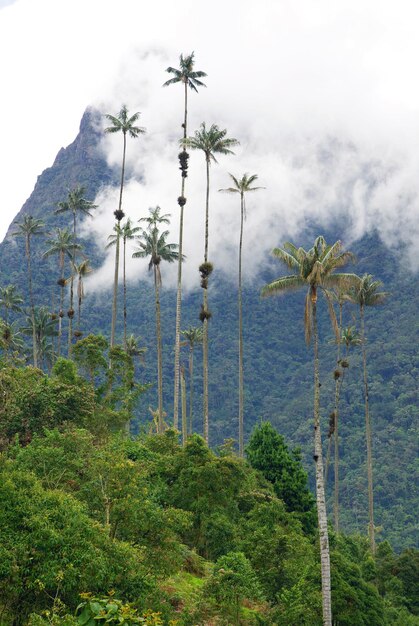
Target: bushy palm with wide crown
{"type": "Point", "coordinates": [153, 243]}
{"type": "Point", "coordinates": [62, 245]}
{"type": "Point", "coordinates": [125, 124]}
{"type": "Point", "coordinates": [241, 186]}
{"type": "Point", "coordinates": [77, 205]}
{"type": "Point", "coordinates": [210, 141]}
{"type": "Point", "coordinates": [315, 270]}
{"type": "Point", "coordinates": [365, 293]}
{"type": "Point", "coordinates": [189, 77]}
{"type": "Point", "coordinates": [126, 232]}
{"type": "Point", "coordinates": [29, 227]}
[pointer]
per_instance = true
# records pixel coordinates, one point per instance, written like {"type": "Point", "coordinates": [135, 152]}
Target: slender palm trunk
{"type": "Point", "coordinates": [371, 529]}
{"type": "Point", "coordinates": [124, 279]}
{"type": "Point", "coordinates": [320, 495]}
{"type": "Point", "coordinates": [184, 413]}
{"type": "Point", "coordinates": [179, 280]}
{"type": "Point", "coordinates": [80, 297]}
{"type": "Point", "coordinates": [191, 389]}
{"type": "Point", "coordinates": [115, 288]}
{"type": "Point", "coordinates": [205, 329]}
{"type": "Point", "coordinates": [35, 347]}
{"type": "Point", "coordinates": [61, 311]}
{"type": "Point", "coordinates": [71, 310]}
{"type": "Point", "coordinates": [116, 273]}
{"type": "Point", "coordinates": [338, 384]}
{"type": "Point", "coordinates": [241, 386]}
{"type": "Point", "coordinates": [159, 350]}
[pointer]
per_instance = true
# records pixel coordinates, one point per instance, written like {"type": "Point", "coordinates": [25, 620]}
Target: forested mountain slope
{"type": "Point", "coordinates": [278, 365]}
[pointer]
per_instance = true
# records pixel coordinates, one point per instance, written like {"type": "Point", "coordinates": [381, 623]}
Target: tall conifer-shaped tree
{"type": "Point", "coordinates": [366, 292]}
{"type": "Point", "coordinates": [315, 269]}
{"type": "Point", "coordinates": [241, 186]}
{"type": "Point", "coordinates": [210, 141]}
{"type": "Point", "coordinates": [190, 78]}
{"type": "Point", "coordinates": [28, 228]}
{"type": "Point", "coordinates": [125, 124]}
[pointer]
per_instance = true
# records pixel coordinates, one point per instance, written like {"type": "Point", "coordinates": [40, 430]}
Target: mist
{"type": "Point", "coordinates": [322, 98]}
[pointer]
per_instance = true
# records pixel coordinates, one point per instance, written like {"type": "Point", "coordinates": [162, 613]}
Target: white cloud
{"type": "Point", "coordinates": [321, 96]}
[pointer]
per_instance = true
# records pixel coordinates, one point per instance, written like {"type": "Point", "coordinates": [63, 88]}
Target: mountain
{"type": "Point", "coordinates": [278, 365]}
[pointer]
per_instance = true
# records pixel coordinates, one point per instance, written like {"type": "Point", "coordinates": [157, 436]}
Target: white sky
{"type": "Point", "coordinates": [322, 94]}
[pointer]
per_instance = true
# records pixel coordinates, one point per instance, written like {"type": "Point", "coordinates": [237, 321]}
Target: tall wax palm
{"type": "Point", "coordinates": [315, 269]}
{"type": "Point", "coordinates": [365, 293]}
{"type": "Point", "coordinates": [193, 336]}
{"type": "Point", "coordinates": [45, 328]}
{"type": "Point", "coordinates": [29, 227]}
{"type": "Point", "coordinates": [125, 124]}
{"type": "Point", "coordinates": [241, 186]}
{"type": "Point", "coordinates": [10, 340]}
{"type": "Point", "coordinates": [10, 300]}
{"type": "Point", "coordinates": [153, 243]}
{"type": "Point", "coordinates": [210, 141]}
{"type": "Point", "coordinates": [81, 270]}
{"type": "Point", "coordinates": [76, 204]}
{"type": "Point", "coordinates": [62, 245]}
{"type": "Point", "coordinates": [126, 232]}
{"type": "Point", "coordinates": [189, 77]}
{"type": "Point", "coordinates": [349, 338]}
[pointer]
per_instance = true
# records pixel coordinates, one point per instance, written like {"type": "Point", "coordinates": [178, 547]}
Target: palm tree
{"type": "Point", "coordinates": [126, 125]}
{"type": "Point", "coordinates": [125, 232]}
{"type": "Point", "coordinates": [189, 77]}
{"type": "Point", "coordinates": [30, 226]}
{"type": "Point", "coordinates": [349, 338]}
{"type": "Point", "coordinates": [366, 293]}
{"type": "Point", "coordinates": [193, 336]}
{"type": "Point", "coordinates": [152, 243]}
{"type": "Point", "coordinates": [45, 328]}
{"type": "Point", "coordinates": [241, 186]}
{"type": "Point", "coordinates": [62, 245]}
{"type": "Point", "coordinates": [81, 270]}
{"type": "Point", "coordinates": [314, 269]}
{"type": "Point", "coordinates": [211, 141]}
{"type": "Point", "coordinates": [10, 339]}
{"type": "Point", "coordinates": [76, 204]}
{"type": "Point", "coordinates": [10, 300]}
{"type": "Point", "coordinates": [133, 347]}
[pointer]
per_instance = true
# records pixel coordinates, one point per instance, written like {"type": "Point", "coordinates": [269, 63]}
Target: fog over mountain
{"type": "Point", "coordinates": [321, 98]}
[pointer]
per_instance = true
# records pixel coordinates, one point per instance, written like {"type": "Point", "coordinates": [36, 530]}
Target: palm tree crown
{"type": "Point", "coordinates": [315, 269]}
{"type": "Point", "coordinates": [186, 73]}
{"type": "Point", "coordinates": [123, 122]}
{"type": "Point", "coordinates": [211, 141]}
{"type": "Point", "coordinates": [10, 300]}
{"type": "Point", "coordinates": [242, 186]}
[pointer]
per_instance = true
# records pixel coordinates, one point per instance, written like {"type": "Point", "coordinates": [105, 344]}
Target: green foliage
{"type": "Point", "coordinates": [50, 547]}
{"type": "Point", "coordinates": [274, 543]}
{"type": "Point", "coordinates": [95, 610]}
{"type": "Point", "coordinates": [268, 452]}
{"type": "Point", "coordinates": [31, 401]}
{"type": "Point", "coordinates": [232, 581]}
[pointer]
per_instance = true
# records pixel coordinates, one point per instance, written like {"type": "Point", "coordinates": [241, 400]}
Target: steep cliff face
{"type": "Point", "coordinates": [80, 163]}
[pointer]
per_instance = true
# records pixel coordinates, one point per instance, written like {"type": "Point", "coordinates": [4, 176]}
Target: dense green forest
{"type": "Point", "coordinates": [97, 526]}
{"type": "Point", "coordinates": [115, 508]}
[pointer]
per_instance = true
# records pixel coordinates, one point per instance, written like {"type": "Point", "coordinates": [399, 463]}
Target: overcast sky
{"type": "Point", "coordinates": [323, 96]}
